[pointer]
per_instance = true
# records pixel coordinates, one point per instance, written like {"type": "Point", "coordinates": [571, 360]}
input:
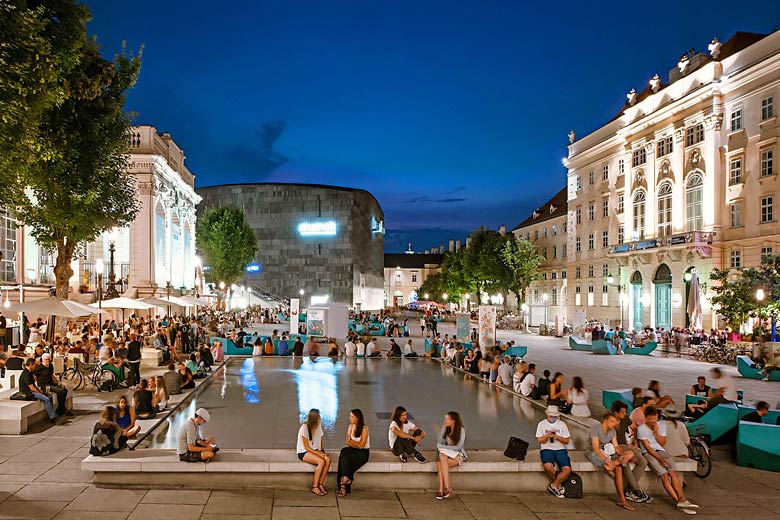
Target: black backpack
{"type": "Point", "coordinates": [572, 486]}
{"type": "Point", "coordinates": [516, 448]}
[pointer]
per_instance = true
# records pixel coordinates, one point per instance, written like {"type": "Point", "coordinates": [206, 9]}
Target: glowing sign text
{"type": "Point", "coordinates": [317, 229]}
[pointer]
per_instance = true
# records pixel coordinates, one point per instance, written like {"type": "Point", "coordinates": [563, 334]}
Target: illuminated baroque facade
{"type": "Point", "coordinates": [684, 178]}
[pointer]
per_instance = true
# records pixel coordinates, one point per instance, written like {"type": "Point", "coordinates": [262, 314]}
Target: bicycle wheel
{"type": "Point", "coordinates": [701, 454]}
{"type": "Point", "coordinates": [72, 378]}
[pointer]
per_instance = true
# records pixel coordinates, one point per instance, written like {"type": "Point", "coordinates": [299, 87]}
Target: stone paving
{"type": "Point", "coordinates": [40, 475]}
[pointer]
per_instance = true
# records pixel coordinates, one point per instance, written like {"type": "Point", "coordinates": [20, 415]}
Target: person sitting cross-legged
{"type": "Point", "coordinates": [192, 446]}
{"type": "Point", "coordinates": [604, 452]}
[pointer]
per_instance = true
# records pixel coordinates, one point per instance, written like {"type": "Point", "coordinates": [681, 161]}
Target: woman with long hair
{"type": "Point", "coordinates": [310, 450]}
{"type": "Point", "coordinates": [558, 395]}
{"type": "Point", "coordinates": [161, 396]}
{"type": "Point", "coordinates": [107, 435]}
{"type": "Point", "coordinates": [355, 454]}
{"type": "Point", "coordinates": [451, 453]}
{"type": "Point", "coordinates": [578, 398]}
{"type": "Point", "coordinates": [654, 392]}
{"type": "Point", "coordinates": [125, 418]}
{"type": "Point", "coordinates": [404, 436]}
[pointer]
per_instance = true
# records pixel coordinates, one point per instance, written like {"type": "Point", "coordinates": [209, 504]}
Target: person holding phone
{"type": "Point", "coordinates": [553, 436]}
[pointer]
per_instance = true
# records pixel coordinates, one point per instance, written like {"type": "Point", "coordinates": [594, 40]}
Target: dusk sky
{"type": "Point", "coordinates": [453, 114]}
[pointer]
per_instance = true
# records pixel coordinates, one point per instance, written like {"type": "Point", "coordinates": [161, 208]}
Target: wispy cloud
{"type": "Point", "coordinates": [445, 200]}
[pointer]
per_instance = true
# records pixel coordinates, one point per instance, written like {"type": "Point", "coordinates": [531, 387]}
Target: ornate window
{"type": "Point", "coordinates": [694, 134]}
{"type": "Point", "coordinates": [694, 195]}
{"type": "Point", "coordinates": [665, 210]}
{"type": "Point", "coordinates": [639, 215]}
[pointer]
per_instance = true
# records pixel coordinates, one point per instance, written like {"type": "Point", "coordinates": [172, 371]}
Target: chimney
{"type": "Point", "coordinates": [452, 246]}
{"type": "Point", "coordinates": [457, 245]}
{"type": "Point", "coordinates": [502, 230]}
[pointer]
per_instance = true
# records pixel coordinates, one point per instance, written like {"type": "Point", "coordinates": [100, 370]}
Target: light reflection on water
{"type": "Point", "coordinates": [249, 381]}
{"type": "Point", "coordinates": [317, 385]}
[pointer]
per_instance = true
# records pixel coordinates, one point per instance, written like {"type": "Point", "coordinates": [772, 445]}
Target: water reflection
{"type": "Point", "coordinates": [249, 381]}
{"type": "Point", "coordinates": [317, 384]}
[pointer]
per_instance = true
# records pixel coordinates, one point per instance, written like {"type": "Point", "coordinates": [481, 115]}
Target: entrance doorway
{"type": "Point", "coordinates": [636, 299]}
{"type": "Point", "coordinates": [663, 297]}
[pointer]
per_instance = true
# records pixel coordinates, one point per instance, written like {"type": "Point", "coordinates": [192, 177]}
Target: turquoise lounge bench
{"type": "Point", "coordinates": [580, 344]}
{"type": "Point", "coordinates": [758, 446]}
{"type": "Point", "coordinates": [466, 346]}
{"type": "Point", "coordinates": [230, 348]}
{"type": "Point", "coordinates": [376, 329]}
{"type": "Point", "coordinates": [746, 370]}
{"type": "Point", "coordinates": [644, 350]}
{"type": "Point", "coordinates": [516, 351]}
{"type": "Point", "coordinates": [620, 394]}
{"type": "Point", "coordinates": [602, 346]}
{"type": "Point", "coordinates": [769, 418]}
{"type": "Point", "coordinates": [716, 423]}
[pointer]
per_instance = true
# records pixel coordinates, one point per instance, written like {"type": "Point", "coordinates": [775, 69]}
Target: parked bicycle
{"type": "Point", "coordinates": [89, 373]}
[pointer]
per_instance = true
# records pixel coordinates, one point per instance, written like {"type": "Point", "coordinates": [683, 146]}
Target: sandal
{"type": "Point", "coordinates": [323, 490]}
{"type": "Point", "coordinates": [316, 491]}
{"type": "Point", "coordinates": [342, 490]}
{"type": "Point", "coordinates": [626, 506]}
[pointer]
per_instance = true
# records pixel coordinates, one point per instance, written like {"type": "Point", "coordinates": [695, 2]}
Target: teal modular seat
{"type": "Point", "coordinates": [230, 348]}
{"type": "Point", "coordinates": [747, 369]}
{"type": "Point", "coordinates": [301, 318]}
{"type": "Point", "coordinates": [716, 423]}
{"type": "Point", "coordinates": [644, 350]}
{"type": "Point", "coordinates": [428, 345]}
{"type": "Point", "coordinates": [466, 346]}
{"type": "Point", "coordinates": [758, 446]}
{"type": "Point", "coordinates": [438, 320]}
{"type": "Point", "coordinates": [376, 329]}
{"type": "Point", "coordinates": [516, 351]}
{"type": "Point", "coordinates": [770, 418]}
{"type": "Point", "coordinates": [608, 397]}
{"type": "Point", "coordinates": [580, 344]}
{"type": "Point", "coordinates": [602, 346]}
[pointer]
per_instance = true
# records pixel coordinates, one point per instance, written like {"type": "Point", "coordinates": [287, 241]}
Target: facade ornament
{"type": "Point", "coordinates": [665, 169]}
{"type": "Point", "coordinates": [714, 48]}
{"type": "Point", "coordinates": [553, 208]}
{"type": "Point", "coordinates": [631, 96]}
{"type": "Point", "coordinates": [679, 135]}
{"type": "Point", "coordinates": [572, 136]}
{"type": "Point", "coordinates": [655, 83]}
{"type": "Point", "coordinates": [639, 177]}
{"type": "Point", "coordinates": [683, 64]}
{"type": "Point", "coordinates": [535, 214]}
{"type": "Point", "coordinates": [695, 157]}
{"type": "Point", "coordinates": [714, 121]}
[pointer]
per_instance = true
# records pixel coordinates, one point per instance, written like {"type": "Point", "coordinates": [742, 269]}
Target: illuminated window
{"type": "Point", "coordinates": [694, 198]}
{"type": "Point", "coordinates": [735, 171]}
{"type": "Point", "coordinates": [639, 215]}
{"type": "Point", "coordinates": [665, 210]}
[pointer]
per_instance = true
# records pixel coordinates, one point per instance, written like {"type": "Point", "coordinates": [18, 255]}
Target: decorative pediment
{"type": "Point", "coordinates": [695, 162]}
{"type": "Point", "coordinates": [665, 172]}
{"type": "Point", "coordinates": [640, 181]}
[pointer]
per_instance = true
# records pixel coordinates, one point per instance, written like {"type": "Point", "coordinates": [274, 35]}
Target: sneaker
{"type": "Point", "coordinates": [403, 457]}
{"type": "Point", "coordinates": [447, 493]}
{"type": "Point", "coordinates": [647, 499]}
{"type": "Point", "coordinates": [686, 511]}
{"type": "Point", "coordinates": [633, 497]}
{"type": "Point", "coordinates": [557, 492]}
{"type": "Point", "coordinates": [439, 496]}
{"type": "Point", "coordinates": [687, 505]}
{"type": "Point", "coordinates": [419, 457]}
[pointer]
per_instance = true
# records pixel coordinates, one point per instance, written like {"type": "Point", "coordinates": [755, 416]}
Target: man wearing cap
{"type": "Point", "coordinates": [553, 436]}
{"type": "Point", "coordinates": [47, 380]}
{"type": "Point", "coordinates": [192, 447]}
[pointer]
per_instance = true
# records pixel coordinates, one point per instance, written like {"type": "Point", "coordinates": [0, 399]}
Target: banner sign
{"type": "Point", "coordinates": [463, 326]}
{"type": "Point", "coordinates": [487, 326]}
{"type": "Point", "coordinates": [294, 311]}
{"type": "Point", "coordinates": [315, 322]}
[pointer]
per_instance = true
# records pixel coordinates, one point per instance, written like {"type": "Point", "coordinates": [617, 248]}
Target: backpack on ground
{"type": "Point", "coordinates": [572, 486]}
{"type": "Point", "coordinates": [516, 448]}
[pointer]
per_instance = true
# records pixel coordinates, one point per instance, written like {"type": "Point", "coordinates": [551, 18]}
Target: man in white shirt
{"type": "Point", "coordinates": [553, 436]}
{"type": "Point", "coordinates": [505, 372]}
{"type": "Point", "coordinates": [652, 439]}
{"type": "Point", "coordinates": [360, 348]}
{"type": "Point", "coordinates": [727, 389]}
{"type": "Point", "coordinates": [408, 350]}
{"type": "Point", "coordinates": [350, 348]}
{"type": "Point", "coordinates": [528, 381]}
{"type": "Point", "coordinates": [372, 349]}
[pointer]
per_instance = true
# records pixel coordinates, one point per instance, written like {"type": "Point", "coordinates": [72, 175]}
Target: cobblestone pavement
{"type": "Point", "coordinates": [40, 475]}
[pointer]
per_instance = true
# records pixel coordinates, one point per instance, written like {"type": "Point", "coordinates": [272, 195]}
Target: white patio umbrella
{"type": "Point", "coordinates": [123, 303]}
{"type": "Point", "coordinates": [694, 302]}
{"type": "Point", "coordinates": [53, 306]}
{"type": "Point", "coordinates": [194, 301]}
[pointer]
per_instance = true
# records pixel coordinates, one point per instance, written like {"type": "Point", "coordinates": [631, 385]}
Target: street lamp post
{"type": "Point", "coordinates": [111, 291]}
{"type": "Point", "coordinates": [620, 287]}
{"type": "Point", "coordinates": [99, 267]}
{"type": "Point", "coordinates": [545, 297]}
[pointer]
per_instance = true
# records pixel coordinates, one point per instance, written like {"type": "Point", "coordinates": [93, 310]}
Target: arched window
{"type": "Point", "coordinates": [639, 215]}
{"type": "Point", "coordinates": [694, 195]}
{"type": "Point", "coordinates": [665, 210]}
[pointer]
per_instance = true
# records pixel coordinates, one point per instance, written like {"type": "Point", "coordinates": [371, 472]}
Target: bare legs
{"type": "Point", "coordinates": [445, 463]}
{"type": "Point", "coordinates": [322, 462]}
{"type": "Point", "coordinates": [559, 477]}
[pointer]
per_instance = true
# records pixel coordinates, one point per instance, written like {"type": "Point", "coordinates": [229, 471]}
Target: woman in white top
{"type": "Point", "coordinates": [578, 397]}
{"type": "Point", "coordinates": [451, 453]}
{"type": "Point", "coordinates": [310, 450]}
{"type": "Point", "coordinates": [355, 454]}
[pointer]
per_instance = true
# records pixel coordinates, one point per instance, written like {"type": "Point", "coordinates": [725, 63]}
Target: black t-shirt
{"type": "Point", "coordinates": [544, 386]}
{"type": "Point", "coordinates": [25, 380]}
{"type": "Point", "coordinates": [701, 393]}
{"type": "Point", "coordinates": [622, 428]}
{"type": "Point", "coordinates": [134, 351]}
{"type": "Point", "coordinates": [143, 401]}
{"type": "Point", "coordinates": [753, 417]}
{"type": "Point", "coordinates": [298, 348]}
{"type": "Point", "coordinates": [44, 375]}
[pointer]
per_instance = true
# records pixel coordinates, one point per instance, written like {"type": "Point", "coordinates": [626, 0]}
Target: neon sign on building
{"type": "Point", "coordinates": [327, 228]}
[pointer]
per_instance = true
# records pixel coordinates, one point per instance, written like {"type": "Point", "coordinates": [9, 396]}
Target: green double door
{"type": "Point", "coordinates": [663, 305]}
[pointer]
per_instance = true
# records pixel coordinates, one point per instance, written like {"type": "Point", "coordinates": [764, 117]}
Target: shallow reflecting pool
{"type": "Point", "coordinates": [260, 402]}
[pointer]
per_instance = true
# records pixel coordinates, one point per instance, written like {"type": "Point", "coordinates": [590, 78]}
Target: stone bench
{"type": "Point", "coordinates": [16, 416]}
{"type": "Point", "coordinates": [10, 380]}
{"type": "Point", "coordinates": [151, 357]}
{"type": "Point", "coordinates": [485, 469]}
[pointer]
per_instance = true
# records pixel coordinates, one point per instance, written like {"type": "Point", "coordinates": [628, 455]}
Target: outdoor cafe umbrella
{"type": "Point", "coordinates": [123, 303]}
{"type": "Point", "coordinates": [53, 306]}
{"type": "Point", "coordinates": [694, 302]}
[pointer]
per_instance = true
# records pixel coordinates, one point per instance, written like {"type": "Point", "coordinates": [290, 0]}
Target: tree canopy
{"type": "Point", "coordinates": [736, 292]}
{"type": "Point", "coordinates": [227, 242]}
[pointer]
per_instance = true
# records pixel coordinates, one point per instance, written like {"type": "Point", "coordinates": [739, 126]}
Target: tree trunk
{"type": "Point", "coordinates": [62, 269]}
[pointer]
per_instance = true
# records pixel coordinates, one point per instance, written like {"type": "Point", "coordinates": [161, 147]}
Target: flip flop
{"type": "Point", "coordinates": [316, 491]}
{"type": "Point", "coordinates": [626, 506]}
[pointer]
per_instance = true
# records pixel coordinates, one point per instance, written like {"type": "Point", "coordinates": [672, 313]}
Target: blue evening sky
{"type": "Point", "coordinates": [454, 114]}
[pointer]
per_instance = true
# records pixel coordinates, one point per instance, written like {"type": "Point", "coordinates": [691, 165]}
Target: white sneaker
{"type": "Point", "coordinates": [687, 504]}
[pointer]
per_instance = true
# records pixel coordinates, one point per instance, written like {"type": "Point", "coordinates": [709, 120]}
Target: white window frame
{"type": "Point", "coordinates": [767, 108]}
{"type": "Point", "coordinates": [736, 119]}
{"type": "Point", "coordinates": [735, 171]}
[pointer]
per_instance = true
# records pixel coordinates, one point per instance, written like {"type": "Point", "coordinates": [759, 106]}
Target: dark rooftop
{"type": "Point", "coordinates": [412, 261]}
{"type": "Point", "coordinates": [555, 207]}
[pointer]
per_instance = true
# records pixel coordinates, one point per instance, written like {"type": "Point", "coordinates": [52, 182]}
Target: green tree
{"type": "Point", "coordinates": [483, 263]}
{"type": "Point", "coordinates": [39, 48]}
{"type": "Point", "coordinates": [227, 243]}
{"type": "Point", "coordinates": [521, 259]}
{"type": "Point", "coordinates": [81, 189]}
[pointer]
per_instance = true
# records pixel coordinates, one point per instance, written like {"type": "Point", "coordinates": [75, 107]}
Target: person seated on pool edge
{"type": "Point", "coordinates": [372, 349]}
{"type": "Point", "coordinates": [192, 446]}
{"type": "Point", "coordinates": [553, 436]}
{"type": "Point", "coordinates": [404, 436]}
{"type": "Point", "coordinates": [395, 350]}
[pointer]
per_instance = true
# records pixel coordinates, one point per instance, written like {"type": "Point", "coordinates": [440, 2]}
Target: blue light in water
{"type": "Point", "coordinates": [317, 383]}
{"type": "Point", "coordinates": [249, 381]}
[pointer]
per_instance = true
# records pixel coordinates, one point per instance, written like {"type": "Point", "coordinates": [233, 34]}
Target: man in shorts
{"type": "Point", "coordinates": [553, 436]}
{"type": "Point", "coordinates": [192, 446]}
{"type": "Point", "coordinates": [652, 439]}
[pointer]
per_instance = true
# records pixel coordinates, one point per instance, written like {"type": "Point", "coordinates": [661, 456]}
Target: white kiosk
{"type": "Point", "coordinates": [327, 320]}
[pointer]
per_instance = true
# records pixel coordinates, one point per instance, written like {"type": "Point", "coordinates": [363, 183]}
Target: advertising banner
{"type": "Point", "coordinates": [315, 322]}
{"type": "Point", "coordinates": [294, 311]}
{"type": "Point", "coordinates": [463, 326]}
{"type": "Point", "coordinates": [487, 326]}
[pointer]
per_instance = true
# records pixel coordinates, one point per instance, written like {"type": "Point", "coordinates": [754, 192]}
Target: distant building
{"type": "Point", "coordinates": [546, 228]}
{"type": "Point", "coordinates": [405, 273]}
{"type": "Point", "coordinates": [326, 241]}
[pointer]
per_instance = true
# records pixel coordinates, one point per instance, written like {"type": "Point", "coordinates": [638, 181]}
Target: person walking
{"type": "Point", "coordinates": [355, 454]}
